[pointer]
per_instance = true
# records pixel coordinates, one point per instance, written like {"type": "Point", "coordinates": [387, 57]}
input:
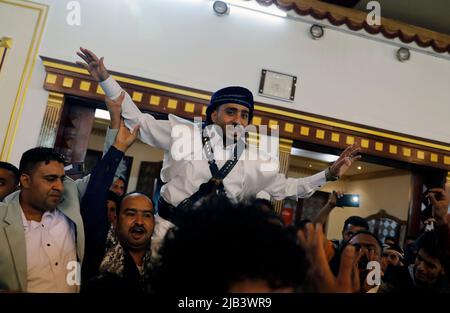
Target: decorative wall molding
{"type": "Point", "coordinates": [33, 10]}
{"type": "Point", "coordinates": [285, 147]}
{"type": "Point", "coordinates": [154, 96]}
{"type": "Point", "coordinates": [52, 117]}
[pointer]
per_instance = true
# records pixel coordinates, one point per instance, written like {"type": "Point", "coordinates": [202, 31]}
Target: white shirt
{"type": "Point", "coordinates": [254, 172]}
{"type": "Point", "coordinates": [50, 246]}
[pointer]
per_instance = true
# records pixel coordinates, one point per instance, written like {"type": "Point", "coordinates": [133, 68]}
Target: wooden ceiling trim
{"type": "Point", "coordinates": [356, 20]}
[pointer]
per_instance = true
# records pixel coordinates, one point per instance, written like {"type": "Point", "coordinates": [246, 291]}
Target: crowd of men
{"type": "Point", "coordinates": [210, 234]}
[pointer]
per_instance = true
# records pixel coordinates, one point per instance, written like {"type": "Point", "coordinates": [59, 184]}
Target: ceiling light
{"type": "Point", "coordinates": [314, 155]}
{"type": "Point", "coordinates": [220, 7]}
{"type": "Point", "coordinates": [316, 31]}
{"type": "Point", "coordinates": [254, 6]}
{"type": "Point", "coordinates": [403, 54]}
{"type": "Point", "coordinates": [359, 167]}
{"type": "Point", "coordinates": [309, 165]}
{"type": "Point", "coordinates": [102, 114]}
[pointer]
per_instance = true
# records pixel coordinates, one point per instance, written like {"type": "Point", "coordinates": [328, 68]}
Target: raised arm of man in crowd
{"type": "Point", "coordinates": [93, 205]}
{"type": "Point", "coordinates": [156, 133]}
{"type": "Point", "coordinates": [114, 109]}
{"type": "Point", "coordinates": [440, 202]}
{"type": "Point", "coordinates": [325, 211]}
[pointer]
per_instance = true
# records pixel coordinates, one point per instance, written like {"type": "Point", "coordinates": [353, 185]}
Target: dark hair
{"type": "Point", "coordinates": [9, 167]}
{"type": "Point", "coordinates": [36, 155]}
{"type": "Point", "coordinates": [122, 179]}
{"type": "Point", "coordinates": [222, 243]}
{"type": "Point", "coordinates": [366, 232]}
{"type": "Point", "coordinates": [429, 242]}
{"type": "Point", "coordinates": [114, 198]}
{"type": "Point", "coordinates": [356, 221]}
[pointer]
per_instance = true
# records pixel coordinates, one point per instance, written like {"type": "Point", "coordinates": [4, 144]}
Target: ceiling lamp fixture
{"type": "Point", "coordinates": [403, 54]}
{"type": "Point", "coordinates": [316, 31]}
{"type": "Point", "coordinates": [220, 7]}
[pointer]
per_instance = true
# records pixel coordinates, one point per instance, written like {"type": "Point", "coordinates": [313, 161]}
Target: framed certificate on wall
{"type": "Point", "coordinates": [277, 85]}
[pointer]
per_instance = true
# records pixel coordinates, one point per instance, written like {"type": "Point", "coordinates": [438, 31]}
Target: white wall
{"type": "Point", "coordinates": [139, 151]}
{"type": "Point", "coordinates": [183, 42]}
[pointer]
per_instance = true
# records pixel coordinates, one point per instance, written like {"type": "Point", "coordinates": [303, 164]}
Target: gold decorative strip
{"type": "Point", "coordinates": [133, 81]}
{"type": "Point", "coordinates": [350, 127]}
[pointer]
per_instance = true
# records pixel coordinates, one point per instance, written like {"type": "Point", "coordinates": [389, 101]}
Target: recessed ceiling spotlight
{"type": "Point", "coordinates": [220, 7]}
{"type": "Point", "coordinates": [316, 31]}
{"type": "Point", "coordinates": [403, 54]}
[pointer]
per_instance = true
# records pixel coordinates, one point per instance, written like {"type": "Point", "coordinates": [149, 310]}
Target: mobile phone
{"type": "Point", "coordinates": [348, 200]}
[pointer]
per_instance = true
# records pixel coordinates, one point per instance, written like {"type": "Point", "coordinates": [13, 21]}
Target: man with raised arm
{"type": "Point", "coordinates": [226, 165]}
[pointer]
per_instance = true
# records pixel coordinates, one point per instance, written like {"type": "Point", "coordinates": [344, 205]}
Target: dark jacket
{"type": "Point", "coordinates": [94, 211]}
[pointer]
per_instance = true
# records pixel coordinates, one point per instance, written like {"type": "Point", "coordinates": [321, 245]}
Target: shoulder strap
{"type": "Point", "coordinates": [228, 166]}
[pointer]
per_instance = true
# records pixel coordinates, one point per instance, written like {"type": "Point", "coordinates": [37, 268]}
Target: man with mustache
{"type": "Point", "coordinates": [126, 265]}
{"type": "Point", "coordinates": [220, 162]}
{"type": "Point", "coordinates": [42, 237]}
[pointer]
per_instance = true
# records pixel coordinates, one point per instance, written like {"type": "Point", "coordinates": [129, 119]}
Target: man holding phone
{"type": "Point", "coordinates": [352, 225]}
